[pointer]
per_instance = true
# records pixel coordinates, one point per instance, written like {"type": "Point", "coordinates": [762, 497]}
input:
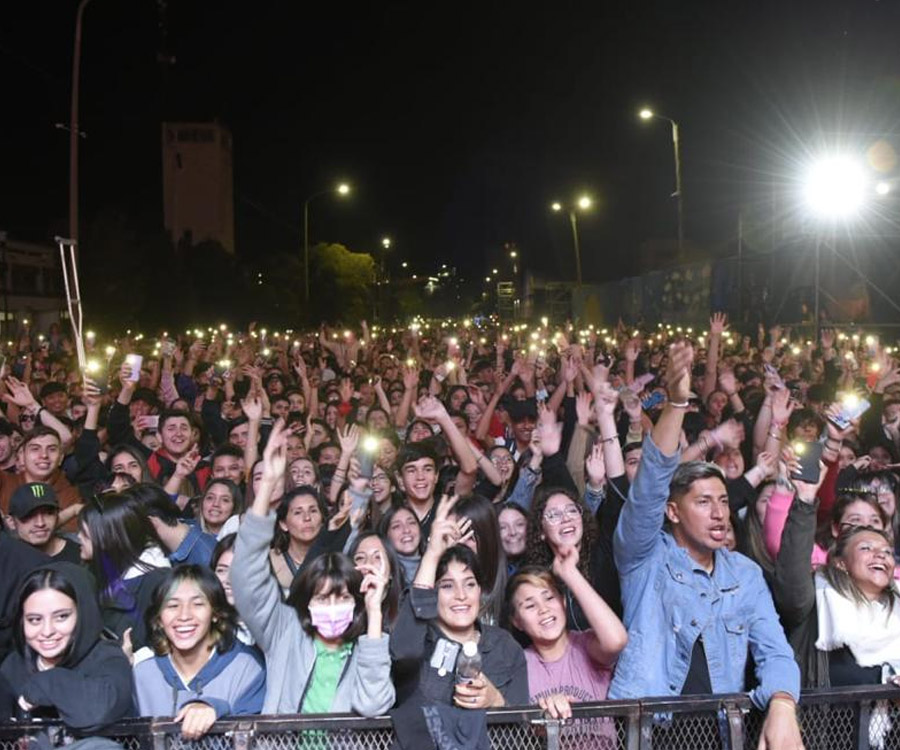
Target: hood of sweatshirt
{"type": "Point", "coordinates": [89, 624]}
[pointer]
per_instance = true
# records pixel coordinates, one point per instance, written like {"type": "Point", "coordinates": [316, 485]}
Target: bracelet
{"type": "Point", "coordinates": [787, 701]}
{"type": "Point", "coordinates": [609, 439]}
{"type": "Point", "coordinates": [679, 404]}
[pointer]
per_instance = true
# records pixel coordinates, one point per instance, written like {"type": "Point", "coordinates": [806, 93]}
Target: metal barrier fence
{"type": "Point", "coordinates": [854, 719]}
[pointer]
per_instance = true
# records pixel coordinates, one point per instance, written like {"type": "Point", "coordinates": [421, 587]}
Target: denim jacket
{"type": "Point", "coordinates": [670, 601]}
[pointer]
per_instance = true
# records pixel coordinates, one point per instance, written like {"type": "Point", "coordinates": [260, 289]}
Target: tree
{"type": "Point", "coordinates": [340, 283]}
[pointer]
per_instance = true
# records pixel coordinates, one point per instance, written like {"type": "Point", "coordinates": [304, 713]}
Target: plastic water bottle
{"type": "Point", "coordinates": [468, 663]}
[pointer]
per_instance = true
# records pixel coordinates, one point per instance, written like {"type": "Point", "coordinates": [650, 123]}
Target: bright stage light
{"type": "Point", "coordinates": [835, 187]}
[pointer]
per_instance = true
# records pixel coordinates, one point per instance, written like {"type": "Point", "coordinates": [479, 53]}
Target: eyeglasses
{"type": "Point", "coordinates": [569, 513]}
{"type": "Point", "coordinates": [501, 460]}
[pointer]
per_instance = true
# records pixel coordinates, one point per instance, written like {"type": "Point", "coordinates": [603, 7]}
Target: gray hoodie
{"type": "Point", "coordinates": [365, 686]}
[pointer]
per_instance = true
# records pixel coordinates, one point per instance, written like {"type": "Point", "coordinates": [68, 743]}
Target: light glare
{"type": "Point", "coordinates": [835, 187]}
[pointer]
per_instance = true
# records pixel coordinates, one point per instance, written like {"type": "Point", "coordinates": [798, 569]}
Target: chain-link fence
{"type": "Point", "coordinates": [856, 719]}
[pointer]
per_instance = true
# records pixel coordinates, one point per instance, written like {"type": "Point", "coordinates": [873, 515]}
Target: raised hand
{"type": "Point", "coordinates": [410, 377]}
{"type": "Point", "coordinates": [632, 350]}
{"type": "Point", "coordinates": [595, 466]}
{"type": "Point", "coordinates": [565, 563]}
{"type": "Point", "coordinates": [275, 453]}
{"type": "Point", "coordinates": [430, 409]}
{"type": "Point", "coordinates": [729, 434]}
{"type": "Point", "coordinates": [678, 372]}
{"type": "Point", "coordinates": [551, 432]}
{"type": "Point", "coordinates": [605, 399]}
{"type": "Point", "coordinates": [19, 394]}
{"type": "Point", "coordinates": [583, 408]}
{"type": "Point", "coordinates": [727, 382]}
{"type": "Point", "coordinates": [185, 465]}
{"type": "Point", "coordinates": [349, 439]}
{"type": "Point", "coordinates": [253, 408]}
{"type": "Point", "coordinates": [718, 323]}
{"type": "Point", "coordinates": [782, 407]}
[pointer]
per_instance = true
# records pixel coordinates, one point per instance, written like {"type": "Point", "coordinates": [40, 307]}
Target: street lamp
{"type": "Point", "coordinates": [835, 189]}
{"type": "Point", "coordinates": [648, 114]}
{"type": "Point", "coordinates": [584, 203]}
{"type": "Point", "coordinates": [342, 189]}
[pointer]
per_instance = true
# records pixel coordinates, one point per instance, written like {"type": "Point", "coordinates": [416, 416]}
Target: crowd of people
{"type": "Point", "coordinates": [435, 520]}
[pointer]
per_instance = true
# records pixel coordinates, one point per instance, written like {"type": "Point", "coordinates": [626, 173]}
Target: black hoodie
{"type": "Point", "coordinates": [92, 686]}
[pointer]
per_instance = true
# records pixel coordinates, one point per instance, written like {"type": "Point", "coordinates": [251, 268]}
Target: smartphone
{"type": "Point", "coordinates": [366, 456]}
{"type": "Point", "coordinates": [657, 398]}
{"type": "Point", "coordinates": [222, 368]}
{"type": "Point", "coordinates": [771, 371]}
{"type": "Point", "coordinates": [95, 369]}
{"type": "Point", "coordinates": [152, 422]}
{"type": "Point", "coordinates": [852, 408]}
{"type": "Point", "coordinates": [168, 348]}
{"type": "Point", "coordinates": [809, 455]}
{"type": "Point", "coordinates": [134, 361]}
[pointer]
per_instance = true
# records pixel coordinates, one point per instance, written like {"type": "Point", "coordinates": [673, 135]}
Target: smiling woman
{"type": "Point", "coordinates": [61, 668]}
{"type": "Point", "coordinates": [201, 671]}
{"type": "Point", "coordinates": [438, 615]}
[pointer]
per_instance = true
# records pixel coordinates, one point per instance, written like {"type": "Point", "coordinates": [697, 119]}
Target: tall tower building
{"type": "Point", "coordinates": [198, 187]}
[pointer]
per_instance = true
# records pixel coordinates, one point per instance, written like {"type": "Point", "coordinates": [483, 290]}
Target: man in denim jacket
{"type": "Point", "coordinates": [692, 608]}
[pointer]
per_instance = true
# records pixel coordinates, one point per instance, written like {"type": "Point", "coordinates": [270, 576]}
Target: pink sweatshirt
{"type": "Point", "coordinates": [773, 526]}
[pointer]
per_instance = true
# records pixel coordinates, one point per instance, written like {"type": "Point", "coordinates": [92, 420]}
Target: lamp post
{"type": "Point", "coordinates": [834, 191]}
{"type": "Point", "coordinates": [342, 189]}
{"type": "Point", "coordinates": [649, 114]}
{"type": "Point", "coordinates": [584, 203]}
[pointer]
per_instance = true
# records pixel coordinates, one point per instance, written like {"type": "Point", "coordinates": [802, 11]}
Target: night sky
{"type": "Point", "coordinates": [457, 124]}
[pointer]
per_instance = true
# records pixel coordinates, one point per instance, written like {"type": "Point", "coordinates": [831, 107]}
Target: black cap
{"type": "Point", "coordinates": [29, 497]}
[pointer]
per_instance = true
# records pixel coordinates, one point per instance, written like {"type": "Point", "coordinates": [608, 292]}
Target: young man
{"type": "Point", "coordinates": [418, 477]}
{"type": "Point", "coordinates": [33, 515]}
{"type": "Point", "coordinates": [41, 454]}
{"type": "Point", "coordinates": [178, 440]}
{"type": "Point", "coordinates": [692, 608]}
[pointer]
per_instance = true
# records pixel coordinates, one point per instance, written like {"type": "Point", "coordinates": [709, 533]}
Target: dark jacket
{"type": "Point", "coordinates": [124, 608]}
{"type": "Point", "coordinates": [414, 637]}
{"type": "Point", "coordinates": [17, 559]}
{"type": "Point", "coordinates": [794, 593]}
{"type": "Point", "coordinates": [91, 687]}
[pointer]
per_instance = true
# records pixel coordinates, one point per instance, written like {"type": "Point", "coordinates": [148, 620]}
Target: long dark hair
{"type": "Point", "coordinates": [490, 550]}
{"type": "Point", "coordinates": [224, 616]}
{"type": "Point", "coordinates": [282, 539]}
{"type": "Point", "coordinates": [384, 524]}
{"type": "Point", "coordinates": [120, 531]}
{"type": "Point", "coordinates": [334, 570]}
{"type": "Point", "coordinates": [39, 580]}
{"type": "Point", "coordinates": [135, 454]}
{"type": "Point", "coordinates": [237, 497]}
{"type": "Point", "coordinates": [391, 603]}
{"type": "Point", "coordinates": [538, 552]}
{"type": "Point", "coordinates": [840, 578]}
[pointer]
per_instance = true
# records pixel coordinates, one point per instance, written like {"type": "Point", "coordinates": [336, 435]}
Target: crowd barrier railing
{"type": "Point", "coordinates": [838, 719]}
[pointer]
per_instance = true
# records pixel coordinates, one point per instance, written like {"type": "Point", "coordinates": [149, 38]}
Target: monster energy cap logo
{"type": "Point", "coordinates": [29, 497]}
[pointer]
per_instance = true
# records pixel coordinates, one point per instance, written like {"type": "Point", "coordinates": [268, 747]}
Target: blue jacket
{"type": "Point", "coordinates": [233, 683]}
{"type": "Point", "coordinates": [669, 601]}
{"type": "Point", "coordinates": [195, 549]}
